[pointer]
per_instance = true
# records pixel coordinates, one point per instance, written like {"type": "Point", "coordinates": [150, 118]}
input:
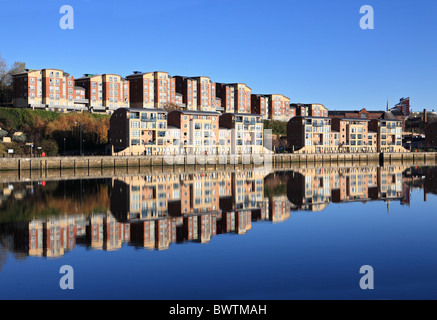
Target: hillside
{"type": "Point", "coordinates": [53, 132]}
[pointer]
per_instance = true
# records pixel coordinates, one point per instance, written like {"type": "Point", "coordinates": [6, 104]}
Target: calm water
{"type": "Point", "coordinates": [300, 234]}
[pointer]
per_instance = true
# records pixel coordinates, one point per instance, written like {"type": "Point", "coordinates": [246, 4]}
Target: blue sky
{"type": "Point", "coordinates": [312, 51]}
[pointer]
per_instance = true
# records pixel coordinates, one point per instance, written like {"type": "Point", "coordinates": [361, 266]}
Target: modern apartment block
{"type": "Point", "coordinates": [366, 114]}
{"type": "Point", "coordinates": [260, 105]}
{"type": "Point", "coordinates": [206, 94]}
{"type": "Point", "coordinates": [138, 131]}
{"type": "Point", "coordinates": [187, 88]}
{"type": "Point", "coordinates": [199, 131]}
{"type": "Point", "coordinates": [327, 135]}
{"type": "Point", "coordinates": [165, 89]}
{"type": "Point", "coordinates": [389, 133]}
{"type": "Point", "coordinates": [106, 92]}
{"type": "Point", "coordinates": [310, 109]}
{"type": "Point", "coordinates": [247, 132]}
{"type": "Point", "coordinates": [279, 108]}
{"type": "Point", "coordinates": [312, 135]}
{"type": "Point", "coordinates": [235, 97]}
{"type": "Point", "coordinates": [142, 90]}
{"type": "Point", "coordinates": [50, 89]}
{"type": "Point", "coordinates": [151, 90]}
{"type": "Point", "coordinates": [242, 98]}
{"type": "Point", "coordinates": [354, 135]}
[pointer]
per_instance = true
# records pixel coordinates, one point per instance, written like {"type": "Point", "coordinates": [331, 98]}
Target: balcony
{"type": "Point", "coordinates": [145, 119]}
{"type": "Point", "coordinates": [81, 101]}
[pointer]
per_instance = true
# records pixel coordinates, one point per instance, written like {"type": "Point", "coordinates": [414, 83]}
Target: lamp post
{"type": "Point", "coordinates": [80, 131]}
{"type": "Point", "coordinates": [64, 146]}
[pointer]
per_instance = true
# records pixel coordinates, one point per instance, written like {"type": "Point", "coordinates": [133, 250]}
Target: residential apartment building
{"type": "Point", "coordinates": [247, 132]}
{"type": "Point", "coordinates": [106, 92]}
{"type": "Point", "coordinates": [312, 135]}
{"type": "Point", "coordinates": [301, 109]}
{"type": "Point", "coordinates": [138, 131]}
{"type": "Point", "coordinates": [206, 94]}
{"type": "Point", "coordinates": [187, 88]}
{"type": "Point", "coordinates": [354, 135]}
{"type": "Point", "coordinates": [142, 90]}
{"type": "Point", "coordinates": [366, 114]}
{"type": "Point", "coordinates": [199, 93]}
{"type": "Point", "coordinates": [389, 133]}
{"type": "Point", "coordinates": [199, 131]}
{"type": "Point", "coordinates": [165, 89]}
{"type": "Point", "coordinates": [50, 89]}
{"type": "Point", "coordinates": [279, 108]}
{"type": "Point", "coordinates": [260, 105]}
{"type": "Point", "coordinates": [242, 98]}
{"type": "Point", "coordinates": [326, 135]}
{"type": "Point", "coordinates": [235, 97]}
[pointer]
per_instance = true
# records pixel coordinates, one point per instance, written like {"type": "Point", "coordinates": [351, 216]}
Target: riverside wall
{"type": "Point", "coordinates": [277, 160]}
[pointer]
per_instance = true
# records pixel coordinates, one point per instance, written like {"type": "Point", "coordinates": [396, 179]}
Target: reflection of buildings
{"type": "Point", "coordinates": [314, 189]}
{"type": "Point", "coordinates": [155, 211]}
{"type": "Point", "coordinates": [162, 209]}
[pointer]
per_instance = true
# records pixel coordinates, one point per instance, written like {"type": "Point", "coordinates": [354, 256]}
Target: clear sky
{"type": "Point", "coordinates": [312, 51]}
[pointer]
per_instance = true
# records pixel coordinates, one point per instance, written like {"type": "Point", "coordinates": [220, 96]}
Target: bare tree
{"type": "Point", "coordinates": [6, 79]}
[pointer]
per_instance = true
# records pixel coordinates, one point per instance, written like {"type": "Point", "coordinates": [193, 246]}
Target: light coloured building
{"type": "Point", "coordinates": [50, 89]}
{"type": "Point", "coordinates": [138, 131]}
{"type": "Point", "coordinates": [199, 131]}
{"type": "Point", "coordinates": [165, 89]}
{"type": "Point", "coordinates": [106, 93]}
{"type": "Point", "coordinates": [279, 108]}
{"type": "Point", "coordinates": [247, 132]}
{"type": "Point", "coordinates": [312, 135]}
{"type": "Point", "coordinates": [206, 94]}
{"type": "Point", "coordinates": [354, 135]}
{"type": "Point", "coordinates": [389, 133]}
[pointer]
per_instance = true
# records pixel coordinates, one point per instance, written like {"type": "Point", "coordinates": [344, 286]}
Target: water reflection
{"type": "Point", "coordinates": [48, 219]}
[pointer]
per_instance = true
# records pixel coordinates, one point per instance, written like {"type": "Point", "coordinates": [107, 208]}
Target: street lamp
{"type": "Point", "coordinates": [80, 141]}
{"type": "Point", "coordinates": [64, 146]}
